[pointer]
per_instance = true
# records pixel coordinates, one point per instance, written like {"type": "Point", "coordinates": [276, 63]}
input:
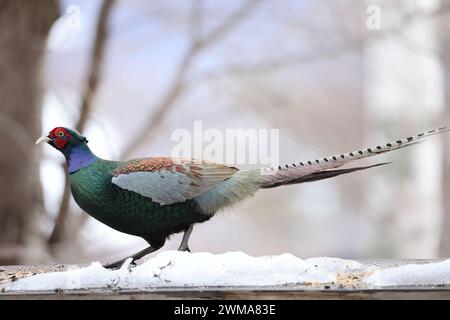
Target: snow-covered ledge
{"type": "Point", "coordinates": [182, 274]}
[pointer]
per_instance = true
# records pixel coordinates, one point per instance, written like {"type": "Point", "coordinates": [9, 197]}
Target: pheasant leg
{"type": "Point", "coordinates": [134, 257]}
{"type": "Point", "coordinates": [184, 246]}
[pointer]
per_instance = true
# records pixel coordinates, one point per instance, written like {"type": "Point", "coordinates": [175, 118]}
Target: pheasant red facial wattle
{"type": "Point", "coordinates": [155, 197]}
{"type": "Point", "coordinates": [59, 137]}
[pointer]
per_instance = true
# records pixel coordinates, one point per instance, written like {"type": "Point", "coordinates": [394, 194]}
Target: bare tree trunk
{"type": "Point", "coordinates": [444, 247]}
{"type": "Point", "coordinates": [24, 26]}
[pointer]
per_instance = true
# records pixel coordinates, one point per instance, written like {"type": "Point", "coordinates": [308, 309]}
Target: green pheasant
{"type": "Point", "coordinates": [155, 197]}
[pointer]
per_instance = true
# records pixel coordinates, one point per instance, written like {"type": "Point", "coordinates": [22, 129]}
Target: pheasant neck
{"type": "Point", "coordinates": [78, 157]}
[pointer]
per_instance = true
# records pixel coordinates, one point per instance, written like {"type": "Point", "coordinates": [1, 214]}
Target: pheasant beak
{"type": "Point", "coordinates": [43, 139]}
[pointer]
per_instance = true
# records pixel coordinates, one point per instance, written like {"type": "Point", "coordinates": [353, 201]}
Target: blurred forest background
{"type": "Point", "coordinates": [332, 79]}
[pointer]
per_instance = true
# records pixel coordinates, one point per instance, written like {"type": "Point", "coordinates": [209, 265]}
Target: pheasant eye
{"type": "Point", "coordinates": [60, 134]}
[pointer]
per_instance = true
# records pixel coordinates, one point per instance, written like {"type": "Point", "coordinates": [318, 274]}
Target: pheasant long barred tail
{"type": "Point", "coordinates": [309, 170]}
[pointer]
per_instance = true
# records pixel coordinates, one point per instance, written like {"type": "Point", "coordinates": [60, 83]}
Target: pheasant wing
{"type": "Point", "coordinates": [170, 180]}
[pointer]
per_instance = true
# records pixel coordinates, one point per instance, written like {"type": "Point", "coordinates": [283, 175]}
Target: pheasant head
{"type": "Point", "coordinates": [72, 145]}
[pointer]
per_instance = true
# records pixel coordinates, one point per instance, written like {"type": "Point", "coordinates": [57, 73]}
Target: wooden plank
{"type": "Point", "coordinates": [358, 291]}
{"type": "Point", "coordinates": [238, 293]}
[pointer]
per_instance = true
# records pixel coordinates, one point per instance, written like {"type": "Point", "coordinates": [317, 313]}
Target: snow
{"type": "Point", "coordinates": [412, 275]}
{"type": "Point", "coordinates": [183, 269]}
{"type": "Point", "coordinates": [179, 269]}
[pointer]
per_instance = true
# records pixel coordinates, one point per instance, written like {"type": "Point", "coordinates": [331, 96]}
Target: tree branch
{"type": "Point", "coordinates": [178, 85]}
{"type": "Point", "coordinates": [231, 22]}
{"type": "Point", "coordinates": [196, 20]}
{"type": "Point", "coordinates": [317, 54]}
{"type": "Point", "coordinates": [96, 63]}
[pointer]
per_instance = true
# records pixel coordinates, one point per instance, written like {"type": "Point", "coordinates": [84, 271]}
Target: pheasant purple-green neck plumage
{"type": "Point", "coordinates": [78, 156]}
{"type": "Point", "coordinates": [155, 197]}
